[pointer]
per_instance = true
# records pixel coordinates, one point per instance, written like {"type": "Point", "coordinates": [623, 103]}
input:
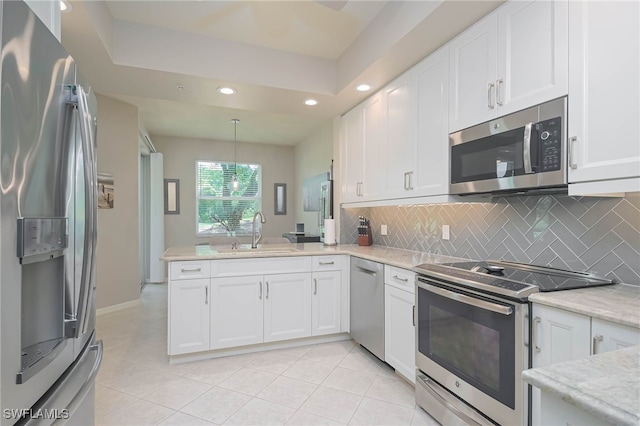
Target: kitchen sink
{"type": "Point", "coordinates": [244, 251]}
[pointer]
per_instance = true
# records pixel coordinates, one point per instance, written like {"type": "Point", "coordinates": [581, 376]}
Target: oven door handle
{"type": "Point", "coordinates": [493, 307]}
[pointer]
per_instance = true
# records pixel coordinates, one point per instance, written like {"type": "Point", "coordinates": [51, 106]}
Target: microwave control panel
{"type": "Point", "coordinates": [549, 144]}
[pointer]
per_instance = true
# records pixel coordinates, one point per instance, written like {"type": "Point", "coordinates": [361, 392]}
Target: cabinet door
{"type": "Point", "coordinates": [399, 331]}
{"type": "Point", "coordinates": [432, 150]}
{"type": "Point", "coordinates": [352, 161]}
{"type": "Point", "coordinates": [532, 54]}
{"type": "Point", "coordinates": [189, 316]}
{"type": "Point", "coordinates": [287, 306]}
{"type": "Point", "coordinates": [473, 75]}
{"type": "Point", "coordinates": [557, 336]}
{"type": "Point", "coordinates": [604, 88]}
{"type": "Point", "coordinates": [401, 136]}
{"type": "Point", "coordinates": [236, 311]}
{"type": "Point", "coordinates": [375, 149]}
{"type": "Point", "coordinates": [607, 336]}
{"type": "Point", "coordinates": [326, 302]}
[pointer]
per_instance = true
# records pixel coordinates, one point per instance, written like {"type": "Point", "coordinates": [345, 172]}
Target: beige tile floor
{"type": "Point", "coordinates": [324, 384]}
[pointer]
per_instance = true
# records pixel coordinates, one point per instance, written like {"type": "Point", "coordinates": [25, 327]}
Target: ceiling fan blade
{"type": "Point", "coordinates": [336, 5]}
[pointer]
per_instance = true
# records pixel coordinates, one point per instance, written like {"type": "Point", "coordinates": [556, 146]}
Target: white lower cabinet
{"type": "Point", "coordinates": [326, 303]}
{"type": "Point", "coordinates": [222, 304]}
{"type": "Point", "coordinates": [189, 316]}
{"type": "Point", "coordinates": [287, 306]}
{"type": "Point", "coordinates": [236, 311]}
{"type": "Point", "coordinates": [260, 308]}
{"type": "Point", "coordinates": [559, 336]}
{"type": "Point", "coordinates": [399, 329]}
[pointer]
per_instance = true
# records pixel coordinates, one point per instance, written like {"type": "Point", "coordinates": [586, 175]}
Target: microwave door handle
{"type": "Point", "coordinates": [526, 149]}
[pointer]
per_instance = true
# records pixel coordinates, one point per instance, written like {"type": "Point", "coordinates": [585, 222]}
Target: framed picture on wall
{"type": "Point", "coordinates": [280, 198]}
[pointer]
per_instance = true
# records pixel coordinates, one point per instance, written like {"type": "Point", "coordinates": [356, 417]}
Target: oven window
{"type": "Point", "coordinates": [475, 344]}
{"type": "Point", "coordinates": [492, 157]}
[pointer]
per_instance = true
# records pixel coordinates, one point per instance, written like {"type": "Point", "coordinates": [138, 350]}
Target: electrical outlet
{"type": "Point", "coordinates": [445, 232]}
{"type": "Point", "coordinates": [383, 229]}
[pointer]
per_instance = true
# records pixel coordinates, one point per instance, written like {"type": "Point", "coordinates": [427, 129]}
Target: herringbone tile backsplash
{"type": "Point", "coordinates": [601, 235]}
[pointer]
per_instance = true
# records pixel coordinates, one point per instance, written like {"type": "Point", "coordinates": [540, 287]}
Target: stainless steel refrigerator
{"type": "Point", "coordinates": [49, 357]}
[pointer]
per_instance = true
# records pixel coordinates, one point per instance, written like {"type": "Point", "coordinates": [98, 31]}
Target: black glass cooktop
{"type": "Point", "coordinates": [512, 278]}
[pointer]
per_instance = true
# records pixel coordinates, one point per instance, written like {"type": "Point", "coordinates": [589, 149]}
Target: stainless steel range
{"type": "Point", "coordinates": [472, 334]}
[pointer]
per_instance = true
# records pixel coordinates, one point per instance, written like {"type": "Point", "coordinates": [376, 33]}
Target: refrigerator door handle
{"type": "Point", "coordinates": [86, 136]}
{"type": "Point", "coordinates": [88, 383]}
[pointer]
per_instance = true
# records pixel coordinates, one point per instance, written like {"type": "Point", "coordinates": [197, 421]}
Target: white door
{"type": "Point", "coordinates": [399, 331]}
{"type": "Point", "coordinates": [287, 306]}
{"type": "Point", "coordinates": [326, 302]}
{"type": "Point", "coordinates": [557, 336]}
{"type": "Point", "coordinates": [604, 90]}
{"type": "Point", "coordinates": [607, 336]}
{"type": "Point", "coordinates": [432, 150]}
{"type": "Point", "coordinates": [473, 75]}
{"type": "Point", "coordinates": [352, 154]}
{"type": "Point", "coordinates": [236, 311]}
{"type": "Point", "coordinates": [399, 103]}
{"type": "Point", "coordinates": [532, 54]}
{"type": "Point", "coordinates": [189, 316]}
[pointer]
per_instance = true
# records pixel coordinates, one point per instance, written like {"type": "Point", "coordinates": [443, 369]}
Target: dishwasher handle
{"type": "Point", "coordinates": [366, 271]}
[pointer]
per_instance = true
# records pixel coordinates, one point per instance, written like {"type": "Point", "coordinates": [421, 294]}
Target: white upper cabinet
{"type": "Point", "coordinates": [604, 96]}
{"type": "Point", "coordinates": [513, 59]}
{"type": "Point", "coordinates": [431, 151]}
{"type": "Point", "coordinates": [398, 101]}
{"type": "Point", "coordinates": [375, 148]}
{"type": "Point", "coordinates": [352, 143]}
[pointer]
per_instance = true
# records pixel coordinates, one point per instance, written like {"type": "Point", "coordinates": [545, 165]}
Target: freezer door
{"type": "Point", "coordinates": [73, 393]}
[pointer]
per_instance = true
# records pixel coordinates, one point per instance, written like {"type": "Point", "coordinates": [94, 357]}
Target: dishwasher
{"type": "Point", "coordinates": [367, 305]}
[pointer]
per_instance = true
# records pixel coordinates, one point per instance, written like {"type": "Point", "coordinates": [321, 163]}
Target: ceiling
{"type": "Point", "coordinates": [169, 58]}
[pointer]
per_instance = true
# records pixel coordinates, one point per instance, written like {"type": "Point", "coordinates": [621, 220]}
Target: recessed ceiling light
{"type": "Point", "coordinates": [226, 90]}
{"type": "Point", "coordinates": [311, 102]}
{"type": "Point", "coordinates": [363, 87]}
{"type": "Point", "coordinates": [65, 6]}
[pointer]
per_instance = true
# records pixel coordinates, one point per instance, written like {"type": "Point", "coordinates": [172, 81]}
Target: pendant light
{"type": "Point", "coordinates": [234, 178]}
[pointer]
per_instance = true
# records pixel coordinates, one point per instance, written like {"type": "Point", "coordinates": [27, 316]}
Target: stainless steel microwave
{"type": "Point", "coordinates": [523, 151]}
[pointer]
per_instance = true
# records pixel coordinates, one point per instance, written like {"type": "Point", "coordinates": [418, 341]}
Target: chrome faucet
{"type": "Point", "coordinates": [254, 240]}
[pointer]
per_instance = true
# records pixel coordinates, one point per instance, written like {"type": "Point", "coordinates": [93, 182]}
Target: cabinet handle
{"type": "Point", "coordinates": [206, 295]}
{"type": "Point", "coordinates": [413, 315]}
{"type": "Point", "coordinates": [327, 263]}
{"type": "Point", "coordinates": [597, 338]}
{"type": "Point", "coordinates": [404, 280]}
{"type": "Point", "coordinates": [572, 161]}
{"type": "Point", "coordinates": [406, 185]}
{"type": "Point", "coordinates": [315, 286]}
{"type": "Point", "coordinates": [534, 332]}
{"type": "Point", "coordinates": [260, 284]}
{"type": "Point", "coordinates": [499, 93]}
{"type": "Point", "coordinates": [198, 269]}
{"type": "Point", "coordinates": [410, 180]}
{"type": "Point", "coordinates": [267, 294]}
{"type": "Point", "coordinates": [490, 87]}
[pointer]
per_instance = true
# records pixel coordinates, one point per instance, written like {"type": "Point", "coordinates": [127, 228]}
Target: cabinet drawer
{"type": "Point", "coordinates": [400, 278]}
{"type": "Point", "coordinates": [327, 263]}
{"type": "Point", "coordinates": [190, 269]}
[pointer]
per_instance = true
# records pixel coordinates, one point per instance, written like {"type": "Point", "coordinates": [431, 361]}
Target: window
{"type": "Point", "coordinates": [221, 209]}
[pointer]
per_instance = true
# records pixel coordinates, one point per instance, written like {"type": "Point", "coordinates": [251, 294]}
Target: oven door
{"type": "Point", "coordinates": [473, 346]}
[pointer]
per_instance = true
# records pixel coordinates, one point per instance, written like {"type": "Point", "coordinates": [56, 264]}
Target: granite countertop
{"type": "Point", "coordinates": [605, 385]}
{"type": "Point", "coordinates": [391, 256]}
{"type": "Point", "coordinates": [619, 303]}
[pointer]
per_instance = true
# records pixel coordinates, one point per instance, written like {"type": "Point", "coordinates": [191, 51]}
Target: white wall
{"type": "Point", "coordinates": [118, 272]}
{"type": "Point", "coordinates": [180, 156]}
{"type": "Point", "coordinates": [312, 157]}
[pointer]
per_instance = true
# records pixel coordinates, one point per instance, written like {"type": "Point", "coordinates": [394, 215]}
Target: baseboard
{"type": "Point", "coordinates": [118, 307]}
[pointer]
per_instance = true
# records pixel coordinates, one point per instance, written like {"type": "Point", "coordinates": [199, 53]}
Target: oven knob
{"type": "Point", "coordinates": [544, 135]}
{"type": "Point", "coordinates": [457, 384]}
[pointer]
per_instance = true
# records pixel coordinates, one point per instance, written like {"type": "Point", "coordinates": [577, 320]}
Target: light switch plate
{"type": "Point", "coordinates": [383, 229]}
{"type": "Point", "coordinates": [445, 232]}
